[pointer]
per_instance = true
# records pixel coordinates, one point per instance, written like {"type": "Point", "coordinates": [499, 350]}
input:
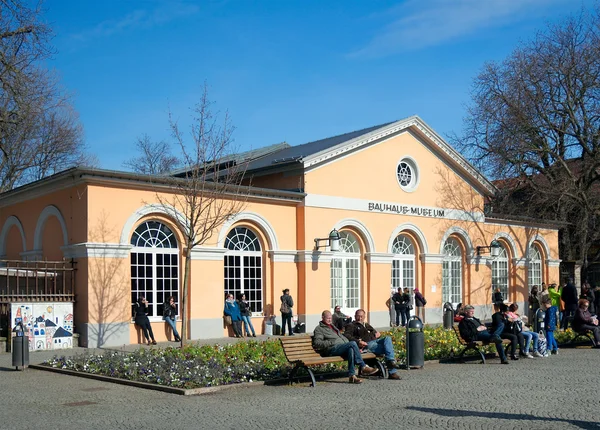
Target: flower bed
{"type": "Point", "coordinates": [198, 366]}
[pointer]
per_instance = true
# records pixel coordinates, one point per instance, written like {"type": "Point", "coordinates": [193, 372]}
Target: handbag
{"type": "Point", "coordinates": [227, 319]}
{"type": "Point", "coordinates": [249, 313]}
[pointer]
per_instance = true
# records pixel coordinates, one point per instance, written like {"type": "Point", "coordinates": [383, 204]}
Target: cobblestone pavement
{"type": "Point", "coordinates": [559, 392]}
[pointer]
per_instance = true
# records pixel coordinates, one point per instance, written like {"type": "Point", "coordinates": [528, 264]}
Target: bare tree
{"type": "Point", "coordinates": [534, 122]}
{"type": "Point", "coordinates": [39, 130]}
{"type": "Point", "coordinates": [155, 157]}
{"type": "Point", "coordinates": [208, 190]}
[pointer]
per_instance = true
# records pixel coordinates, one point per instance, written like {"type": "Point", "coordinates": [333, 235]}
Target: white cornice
{"type": "Point", "coordinates": [379, 257]}
{"type": "Point", "coordinates": [520, 262]}
{"type": "Point", "coordinates": [553, 263]}
{"type": "Point", "coordinates": [315, 256]}
{"type": "Point", "coordinates": [208, 254]}
{"type": "Point", "coordinates": [432, 258]}
{"type": "Point", "coordinates": [283, 256]}
{"type": "Point", "coordinates": [96, 250]}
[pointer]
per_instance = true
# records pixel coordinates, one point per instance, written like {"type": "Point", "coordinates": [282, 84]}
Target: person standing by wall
{"type": "Point", "coordinates": [170, 316]}
{"type": "Point", "coordinates": [569, 296]}
{"type": "Point", "coordinates": [141, 319]}
{"type": "Point", "coordinates": [232, 309]}
{"type": "Point", "coordinates": [398, 307]}
{"type": "Point", "coordinates": [287, 303]}
{"type": "Point", "coordinates": [420, 303]}
{"type": "Point", "coordinates": [246, 314]}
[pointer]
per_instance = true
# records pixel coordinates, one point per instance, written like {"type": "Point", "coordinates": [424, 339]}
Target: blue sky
{"type": "Point", "coordinates": [286, 70]}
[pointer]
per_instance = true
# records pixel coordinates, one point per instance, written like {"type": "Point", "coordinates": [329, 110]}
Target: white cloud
{"type": "Point", "coordinates": [418, 24]}
{"type": "Point", "coordinates": [138, 19]}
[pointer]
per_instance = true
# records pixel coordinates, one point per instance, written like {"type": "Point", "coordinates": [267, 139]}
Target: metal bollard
{"type": "Point", "coordinates": [415, 343]}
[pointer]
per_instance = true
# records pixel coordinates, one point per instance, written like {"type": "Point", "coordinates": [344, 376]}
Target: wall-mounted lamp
{"type": "Point", "coordinates": [333, 241]}
{"type": "Point", "coordinates": [494, 248]}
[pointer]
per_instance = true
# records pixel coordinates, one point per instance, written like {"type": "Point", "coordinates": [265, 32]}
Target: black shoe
{"type": "Point", "coordinates": [514, 357]}
{"type": "Point", "coordinates": [392, 364]}
{"type": "Point", "coordinates": [494, 339]}
{"type": "Point", "coordinates": [253, 335]}
{"type": "Point", "coordinates": [504, 362]}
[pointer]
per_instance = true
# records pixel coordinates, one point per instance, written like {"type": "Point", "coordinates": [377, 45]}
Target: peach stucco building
{"type": "Point", "coordinates": [409, 208]}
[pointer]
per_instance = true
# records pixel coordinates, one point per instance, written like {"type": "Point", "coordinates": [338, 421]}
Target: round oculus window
{"type": "Point", "coordinates": [406, 173]}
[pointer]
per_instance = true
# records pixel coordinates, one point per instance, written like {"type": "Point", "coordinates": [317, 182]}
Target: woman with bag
{"type": "Point", "coordinates": [246, 314]}
{"type": "Point", "coordinates": [141, 319]}
{"type": "Point", "coordinates": [287, 303]}
{"type": "Point", "coordinates": [420, 303]}
{"type": "Point", "coordinates": [232, 310]}
{"type": "Point", "coordinates": [170, 316]}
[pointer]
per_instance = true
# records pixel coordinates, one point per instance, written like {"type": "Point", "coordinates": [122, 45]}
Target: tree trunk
{"type": "Point", "coordinates": [184, 294]}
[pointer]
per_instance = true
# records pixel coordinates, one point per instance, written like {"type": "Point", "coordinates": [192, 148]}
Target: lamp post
{"type": "Point", "coordinates": [494, 248]}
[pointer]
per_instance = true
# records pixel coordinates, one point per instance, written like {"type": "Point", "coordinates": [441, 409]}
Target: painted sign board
{"type": "Point", "coordinates": [49, 325]}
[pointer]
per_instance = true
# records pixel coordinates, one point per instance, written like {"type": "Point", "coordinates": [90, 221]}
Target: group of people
{"type": "Point", "coordinates": [402, 303]}
{"type": "Point", "coordinates": [239, 311]}
{"type": "Point", "coordinates": [507, 323]}
{"type": "Point", "coordinates": [356, 337]}
{"type": "Point", "coordinates": [140, 315]}
{"type": "Point", "coordinates": [565, 299]}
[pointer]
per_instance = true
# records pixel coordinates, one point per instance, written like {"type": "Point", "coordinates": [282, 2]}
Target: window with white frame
{"type": "Point", "coordinates": [452, 272]}
{"type": "Point", "coordinates": [403, 263]}
{"type": "Point", "coordinates": [500, 274]}
{"type": "Point", "coordinates": [243, 271]}
{"type": "Point", "coordinates": [154, 266]}
{"type": "Point", "coordinates": [345, 274]}
{"type": "Point", "coordinates": [534, 271]}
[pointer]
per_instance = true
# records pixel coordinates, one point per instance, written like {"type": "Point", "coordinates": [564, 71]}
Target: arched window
{"type": "Point", "coordinates": [500, 274]}
{"type": "Point", "coordinates": [345, 274]}
{"type": "Point", "coordinates": [452, 272]}
{"type": "Point", "coordinates": [403, 263]}
{"type": "Point", "coordinates": [243, 266]}
{"type": "Point", "coordinates": [154, 266]}
{"type": "Point", "coordinates": [535, 267]}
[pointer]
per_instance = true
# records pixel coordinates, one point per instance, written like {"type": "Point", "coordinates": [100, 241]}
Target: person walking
{"type": "Point", "coordinates": [246, 315]}
{"type": "Point", "coordinates": [287, 303]}
{"type": "Point", "coordinates": [142, 321]}
{"type": "Point", "coordinates": [232, 309]}
{"type": "Point", "coordinates": [170, 316]}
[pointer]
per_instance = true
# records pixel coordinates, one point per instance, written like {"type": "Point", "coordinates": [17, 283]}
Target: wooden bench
{"type": "Point", "coordinates": [299, 351]}
{"type": "Point", "coordinates": [475, 345]}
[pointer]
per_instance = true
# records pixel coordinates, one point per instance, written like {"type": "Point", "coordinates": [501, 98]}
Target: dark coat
{"type": "Point", "coordinates": [419, 299]}
{"type": "Point", "coordinates": [498, 297]}
{"type": "Point", "coordinates": [290, 302]}
{"type": "Point", "coordinates": [244, 308]}
{"type": "Point", "coordinates": [569, 296]}
{"type": "Point", "coordinates": [169, 311]}
{"type": "Point", "coordinates": [582, 318]}
{"type": "Point", "coordinates": [468, 328]}
{"type": "Point", "coordinates": [591, 298]}
{"type": "Point", "coordinates": [397, 297]}
{"type": "Point", "coordinates": [140, 313]}
{"type": "Point", "coordinates": [356, 331]}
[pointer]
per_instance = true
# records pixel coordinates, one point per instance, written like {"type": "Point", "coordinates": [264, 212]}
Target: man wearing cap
{"type": "Point", "coordinates": [366, 337]}
{"type": "Point", "coordinates": [471, 329]}
{"type": "Point", "coordinates": [328, 340]}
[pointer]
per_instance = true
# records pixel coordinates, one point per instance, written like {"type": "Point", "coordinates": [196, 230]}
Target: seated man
{"type": "Point", "coordinates": [471, 329]}
{"type": "Point", "coordinates": [340, 319]}
{"type": "Point", "coordinates": [328, 340]}
{"type": "Point", "coordinates": [366, 337]}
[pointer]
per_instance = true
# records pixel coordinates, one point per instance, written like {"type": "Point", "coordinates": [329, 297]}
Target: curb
{"type": "Point", "coordinates": [146, 385]}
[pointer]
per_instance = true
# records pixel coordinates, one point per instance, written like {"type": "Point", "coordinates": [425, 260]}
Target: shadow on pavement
{"type": "Point", "coordinates": [500, 415]}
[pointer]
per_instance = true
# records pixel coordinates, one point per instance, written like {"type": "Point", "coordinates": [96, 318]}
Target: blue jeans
{"type": "Point", "coordinates": [173, 326]}
{"type": "Point", "coordinates": [248, 323]}
{"type": "Point", "coordinates": [529, 335]}
{"type": "Point", "coordinates": [552, 345]}
{"type": "Point", "coordinates": [486, 336]}
{"type": "Point", "coordinates": [351, 352]}
{"type": "Point", "coordinates": [383, 346]}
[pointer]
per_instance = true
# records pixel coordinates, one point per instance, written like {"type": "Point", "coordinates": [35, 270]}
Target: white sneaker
{"type": "Point", "coordinates": [528, 355]}
{"type": "Point", "coordinates": [537, 354]}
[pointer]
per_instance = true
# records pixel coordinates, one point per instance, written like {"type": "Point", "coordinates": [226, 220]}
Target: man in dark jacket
{"type": "Point", "coordinates": [328, 340]}
{"type": "Point", "coordinates": [569, 296]}
{"type": "Point", "coordinates": [471, 329]}
{"type": "Point", "coordinates": [366, 337]}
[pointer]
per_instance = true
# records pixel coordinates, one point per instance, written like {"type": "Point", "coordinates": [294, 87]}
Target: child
{"type": "Point", "coordinates": [550, 324]}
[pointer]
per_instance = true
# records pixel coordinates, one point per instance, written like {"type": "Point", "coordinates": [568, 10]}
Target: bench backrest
{"type": "Point", "coordinates": [458, 336]}
{"type": "Point", "coordinates": [298, 348]}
